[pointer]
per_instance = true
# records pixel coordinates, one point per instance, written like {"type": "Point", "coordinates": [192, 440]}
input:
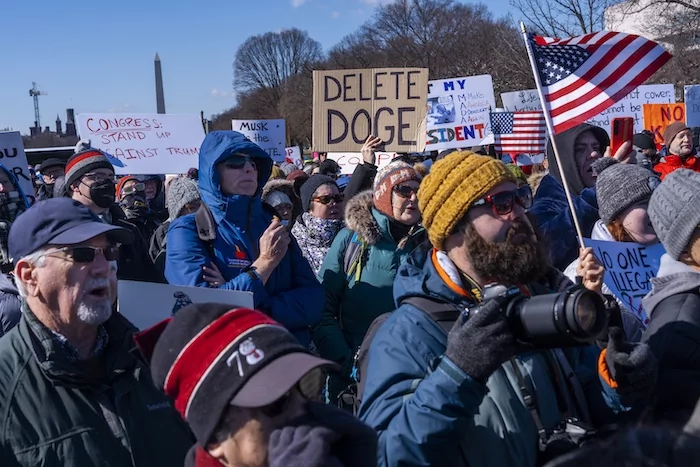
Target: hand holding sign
{"type": "Point", "coordinates": [591, 271]}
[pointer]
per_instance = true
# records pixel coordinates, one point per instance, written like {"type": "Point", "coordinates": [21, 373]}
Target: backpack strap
{"type": "Point", "coordinates": [352, 262]}
{"type": "Point", "coordinates": [443, 313]}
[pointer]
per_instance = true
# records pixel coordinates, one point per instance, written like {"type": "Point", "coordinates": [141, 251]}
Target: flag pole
{"type": "Point", "coordinates": [550, 129]}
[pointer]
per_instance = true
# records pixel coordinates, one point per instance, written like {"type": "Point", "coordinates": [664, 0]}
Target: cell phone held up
{"type": "Point", "coordinates": [622, 131]}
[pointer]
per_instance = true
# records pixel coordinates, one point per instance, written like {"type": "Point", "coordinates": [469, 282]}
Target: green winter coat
{"type": "Point", "coordinates": [52, 413]}
{"type": "Point", "coordinates": [351, 307]}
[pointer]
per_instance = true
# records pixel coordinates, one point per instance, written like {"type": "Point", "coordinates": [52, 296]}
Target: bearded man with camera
{"type": "Point", "coordinates": [528, 366]}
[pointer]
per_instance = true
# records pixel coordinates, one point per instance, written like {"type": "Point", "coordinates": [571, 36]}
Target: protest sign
{"type": "Point", "coordinates": [658, 116]}
{"type": "Point", "coordinates": [349, 160]}
{"type": "Point", "coordinates": [14, 159]}
{"type": "Point", "coordinates": [632, 105]}
{"type": "Point", "coordinates": [293, 155]}
{"type": "Point", "coordinates": [270, 135]}
{"type": "Point", "coordinates": [146, 303]}
{"type": "Point", "coordinates": [349, 105]}
{"type": "Point", "coordinates": [628, 268]}
{"type": "Point", "coordinates": [521, 101]}
{"type": "Point", "coordinates": [145, 143]}
{"type": "Point", "coordinates": [458, 112]}
{"type": "Point", "coordinates": [692, 105]}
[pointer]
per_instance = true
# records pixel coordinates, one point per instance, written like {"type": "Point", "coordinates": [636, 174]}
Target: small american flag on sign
{"type": "Point", "coordinates": [584, 75]}
{"type": "Point", "coordinates": [519, 132]}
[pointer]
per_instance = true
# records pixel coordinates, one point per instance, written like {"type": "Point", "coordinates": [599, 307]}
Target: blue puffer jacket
{"type": "Point", "coordinates": [428, 411]}
{"type": "Point", "coordinates": [292, 295]}
{"type": "Point", "coordinates": [553, 216]}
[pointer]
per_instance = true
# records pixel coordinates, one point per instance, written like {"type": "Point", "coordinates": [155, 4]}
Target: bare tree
{"type": "Point", "coordinates": [269, 60]}
{"type": "Point", "coordinates": [563, 18]}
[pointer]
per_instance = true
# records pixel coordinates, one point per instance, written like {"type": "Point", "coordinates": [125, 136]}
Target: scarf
{"type": "Point", "coordinates": [315, 236]}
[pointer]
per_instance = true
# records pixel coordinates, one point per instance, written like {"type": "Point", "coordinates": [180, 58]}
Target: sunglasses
{"type": "Point", "coordinates": [503, 202]}
{"type": "Point", "coordinates": [328, 198]}
{"type": "Point", "coordinates": [132, 189]}
{"type": "Point", "coordinates": [405, 191]}
{"type": "Point", "coordinates": [238, 161]}
{"type": "Point", "coordinates": [86, 254]}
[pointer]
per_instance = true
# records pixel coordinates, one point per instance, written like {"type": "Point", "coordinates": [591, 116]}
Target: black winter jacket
{"type": "Point", "coordinates": [10, 310]}
{"type": "Point", "coordinates": [134, 262]}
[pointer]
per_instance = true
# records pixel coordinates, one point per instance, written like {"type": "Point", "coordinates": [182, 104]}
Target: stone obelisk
{"type": "Point", "coordinates": [160, 97]}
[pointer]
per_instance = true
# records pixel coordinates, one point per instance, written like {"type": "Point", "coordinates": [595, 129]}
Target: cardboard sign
{"type": "Point", "coordinates": [632, 106]}
{"type": "Point", "coordinates": [14, 159]}
{"type": "Point", "coordinates": [145, 143]}
{"type": "Point", "coordinates": [692, 105]}
{"type": "Point", "coordinates": [349, 105]}
{"type": "Point", "coordinates": [293, 155]}
{"type": "Point", "coordinates": [458, 112]}
{"type": "Point", "coordinates": [658, 116]}
{"type": "Point", "coordinates": [628, 268]}
{"type": "Point", "coordinates": [146, 303]}
{"type": "Point", "coordinates": [270, 135]}
{"type": "Point", "coordinates": [521, 101]}
{"type": "Point", "coordinates": [349, 160]}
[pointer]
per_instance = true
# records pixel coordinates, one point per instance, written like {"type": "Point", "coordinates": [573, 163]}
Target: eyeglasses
{"type": "Point", "coordinates": [98, 177]}
{"type": "Point", "coordinates": [405, 191]}
{"type": "Point", "coordinates": [86, 254]}
{"type": "Point", "coordinates": [132, 189]}
{"type": "Point", "coordinates": [328, 198]}
{"type": "Point", "coordinates": [238, 161]}
{"type": "Point", "coordinates": [504, 201]}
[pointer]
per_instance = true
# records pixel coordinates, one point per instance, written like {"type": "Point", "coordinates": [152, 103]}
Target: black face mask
{"type": "Point", "coordinates": [134, 206]}
{"type": "Point", "coordinates": [103, 193]}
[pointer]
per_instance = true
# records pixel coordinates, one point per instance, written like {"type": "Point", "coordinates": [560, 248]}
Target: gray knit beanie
{"type": "Point", "coordinates": [619, 186]}
{"type": "Point", "coordinates": [674, 210]}
{"type": "Point", "coordinates": [181, 191]}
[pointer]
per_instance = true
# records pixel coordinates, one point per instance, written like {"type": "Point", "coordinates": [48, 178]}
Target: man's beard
{"type": "Point", "coordinates": [506, 262]}
{"type": "Point", "coordinates": [98, 312]}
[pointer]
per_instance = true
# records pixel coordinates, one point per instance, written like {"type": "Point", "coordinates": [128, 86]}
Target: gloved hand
{"type": "Point", "coordinates": [482, 343]}
{"type": "Point", "coordinates": [302, 446]}
{"type": "Point", "coordinates": [633, 367]}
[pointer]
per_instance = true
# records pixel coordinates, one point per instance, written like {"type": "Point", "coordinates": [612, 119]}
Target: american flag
{"type": "Point", "coordinates": [519, 132]}
{"type": "Point", "coordinates": [584, 75]}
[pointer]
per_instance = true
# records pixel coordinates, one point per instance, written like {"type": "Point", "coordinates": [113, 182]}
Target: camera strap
{"type": "Point", "coordinates": [529, 402]}
{"type": "Point", "coordinates": [574, 384]}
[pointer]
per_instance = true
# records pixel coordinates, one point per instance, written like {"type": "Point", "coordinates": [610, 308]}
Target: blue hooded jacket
{"type": "Point", "coordinates": [292, 295]}
{"type": "Point", "coordinates": [428, 411]}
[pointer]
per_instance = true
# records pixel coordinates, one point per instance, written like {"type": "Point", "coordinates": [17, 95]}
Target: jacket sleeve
{"type": "Point", "coordinates": [362, 179]}
{"type": "Point", "coordinates": [10, 312]}
{"type": "Point", "coordinates": [149, 272]}
{"type": "Point", "coordinates": [327, 334]}
{"type": "Point", "coordinates": [556, 224]}
{"type": "Point", "coordinates": [300, 306]}
{"type": "Point", "coordinates": [419, 414]}
{"type": "Point", "coordinates": [186, 255]}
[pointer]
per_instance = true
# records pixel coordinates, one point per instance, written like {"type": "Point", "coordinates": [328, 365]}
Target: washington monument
{"type": "Point", "coordinates": [160, 97]}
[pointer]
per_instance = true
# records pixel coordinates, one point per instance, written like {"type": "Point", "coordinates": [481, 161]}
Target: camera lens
{"type": "Point", "coordinates": [586, 314]}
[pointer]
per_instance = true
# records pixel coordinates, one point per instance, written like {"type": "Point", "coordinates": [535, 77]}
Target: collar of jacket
{"type": "Point", "coordinates": [117, 357]}
{"type": "Point", "coordinates": [370, 224]}
{"type": "Point", "coordinates": [689, 162]}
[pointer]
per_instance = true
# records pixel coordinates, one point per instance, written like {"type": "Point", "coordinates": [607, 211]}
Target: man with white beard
{"type": "Point", "coordinates": [74, 390]}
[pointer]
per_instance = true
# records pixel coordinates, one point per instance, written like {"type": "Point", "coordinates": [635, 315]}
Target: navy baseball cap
{"type": "Point", "coordinates": [59, 221]}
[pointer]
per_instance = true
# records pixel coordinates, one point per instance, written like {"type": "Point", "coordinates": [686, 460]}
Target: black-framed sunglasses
{"type": "Point", "coordinates": [87, 254]}
{"type": "Point", "coordinates": [237, 161]}
{"type": "Point", "coordinates": [503, 202]}
{"type": "Point", "coordinates": [132, 189]}
{"type": "Point", "coordinates": [405, 191]}
{"type": "Point", "coordinates": [328, 198]}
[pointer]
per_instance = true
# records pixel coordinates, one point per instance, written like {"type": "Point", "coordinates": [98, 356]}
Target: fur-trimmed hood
{"type": "Point", "coordinates": [359, 218]}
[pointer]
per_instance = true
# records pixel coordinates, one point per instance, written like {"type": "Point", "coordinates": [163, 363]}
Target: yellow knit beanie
{"type": "Point", "coordinates": [452, 186]}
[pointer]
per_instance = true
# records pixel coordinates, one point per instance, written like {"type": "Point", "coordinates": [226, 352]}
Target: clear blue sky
{"type": "Point", "coordinates": [97, 56]}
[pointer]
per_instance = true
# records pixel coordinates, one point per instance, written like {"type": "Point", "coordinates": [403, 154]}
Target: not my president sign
{"type": "Point", "coordinates": [629, 267]}
{"type": "Point", "coordinates": [349, 105]}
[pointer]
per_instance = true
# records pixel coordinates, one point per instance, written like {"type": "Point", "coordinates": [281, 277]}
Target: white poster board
{"type": "Point", "coordinates": [521, 101]}
{"type": "Point", "coordinates": [146, 303]}
{"type": "Point", "coordinates": [692, 105]}
{"type": "Point", "coordinates": [628, 268]}
{"type": "Point", "coordinates": [145, 143]}
{"type": "Point", "coordinates": [270, 135]}
{"type": "Point", "coordinates": [293, 156]}
{"type": "Point", "coordinates": [349, 160]}
{"type": "Point", "coordinates": [629, 106]}
{"type": "Point", "coordinates": [458, 112]}
{"type": "Point", "coordinates": [14, 159]}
